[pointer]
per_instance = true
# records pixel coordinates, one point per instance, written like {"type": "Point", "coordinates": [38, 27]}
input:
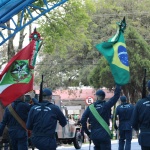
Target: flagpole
{"type": "Point", "coordinates": [41, 91]}
{"type": "Point", "coordinates": [36, 36]}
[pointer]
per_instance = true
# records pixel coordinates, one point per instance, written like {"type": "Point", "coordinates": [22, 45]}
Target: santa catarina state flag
{"type": "Point", "coordinates": [17, 77]}
{"type": "Point", "coordinates": [115, 52]}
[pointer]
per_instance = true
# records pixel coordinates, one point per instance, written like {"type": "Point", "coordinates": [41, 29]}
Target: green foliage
{"type": "Point", "coordinates": [66, 28]}
{"type": "Point", "coordinates": [139, 54]}
{"type": "Point", "coordinates": [101, 75]}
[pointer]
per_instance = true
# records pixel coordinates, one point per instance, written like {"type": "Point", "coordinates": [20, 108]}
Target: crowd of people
{"type": "Point", "coordinates": [41, 119]}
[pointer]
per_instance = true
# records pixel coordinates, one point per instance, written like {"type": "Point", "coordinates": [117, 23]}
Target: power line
{"type": "Point", "coordinates": [70, 64]}
{"type": "Point", "coordinates": [122, 14]}
{"type": "Point", "coordinates": [132, 39]}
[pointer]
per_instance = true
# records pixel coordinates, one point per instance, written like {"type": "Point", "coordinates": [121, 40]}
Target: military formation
{"type": "Point", "coordinates": [36, 122]}
{"type": "Point", "coordinates": [130, 117]}
{"type": "Point", "coordinates": [41, 119]}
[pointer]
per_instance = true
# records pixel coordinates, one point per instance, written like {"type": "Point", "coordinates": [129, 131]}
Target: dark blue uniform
{"type": "Point", "coordinates": [99, 135]}
{"type": "Point", "coordinates": [141, 120]}
{"type": "Point", "coordinates": [18, 135]}
{"type": "Point", "coordinates": [124, 111]}
{"type": "Point", "coordinates": [42, 120]}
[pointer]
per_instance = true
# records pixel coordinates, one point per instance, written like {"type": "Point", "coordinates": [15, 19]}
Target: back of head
{"type": "Point", "coordinates": [47, 93]}
{"type": "Point", "coordinates": [100, 94]}
{"type": "Point", "coordinates": [123, 99]}
{"type": "Point", "coordinates": [148, 85]}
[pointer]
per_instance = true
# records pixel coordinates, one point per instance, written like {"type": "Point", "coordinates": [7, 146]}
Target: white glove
{"type": "Point", "coordinates": [32, 94]}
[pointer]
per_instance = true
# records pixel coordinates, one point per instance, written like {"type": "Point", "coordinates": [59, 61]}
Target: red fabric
{"type": "Point", "coordinates": [16, 90]}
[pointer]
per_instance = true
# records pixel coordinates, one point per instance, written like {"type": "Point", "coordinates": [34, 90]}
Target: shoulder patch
{"type": "Point", "coordinates": [41, 108]}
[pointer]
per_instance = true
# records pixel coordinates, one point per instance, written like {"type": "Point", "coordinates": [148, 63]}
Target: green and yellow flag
{"type": "Point", "coordinates": [115, 52]}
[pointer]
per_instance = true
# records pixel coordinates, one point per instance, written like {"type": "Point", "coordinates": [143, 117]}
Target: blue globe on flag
{"type": "Point", "coordinates": [123, 55]}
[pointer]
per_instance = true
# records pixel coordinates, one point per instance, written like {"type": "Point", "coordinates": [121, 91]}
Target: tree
{"type": "Point", "coordinates": [65, 29]}
{"type": "Point", "coordinates": [65, 35]}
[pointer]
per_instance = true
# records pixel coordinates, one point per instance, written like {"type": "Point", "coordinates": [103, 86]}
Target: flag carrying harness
{"type": "Point", "coordinates": [16, 116]}
{"type": "Point", "coordinates": [100, 119]}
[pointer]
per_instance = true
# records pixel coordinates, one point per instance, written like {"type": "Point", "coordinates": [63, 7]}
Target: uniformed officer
{"type": "Point", "coordinates": [99, 135]}
{"type": "Point", "coordinates": [124, 113]}
{"type": "Point", "coordinates": [141, 120]}
{"type": "Point", "coordinates": [42, 120]}
{"type": "Point", "coordinates": [17, 134]}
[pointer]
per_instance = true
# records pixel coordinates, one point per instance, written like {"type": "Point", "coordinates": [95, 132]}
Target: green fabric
{"type": "Point", "coordinates": [100, 119]}
{"type": "Point", "coordinates": [36, 52]}
{"type": "Point", "coordinates": [18, 72]}
{"type": "Point", "coordinates": [114, 50]}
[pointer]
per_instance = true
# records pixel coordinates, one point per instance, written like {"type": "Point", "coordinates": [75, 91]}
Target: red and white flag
{"type": "Point", "coordinates": [17, 77]}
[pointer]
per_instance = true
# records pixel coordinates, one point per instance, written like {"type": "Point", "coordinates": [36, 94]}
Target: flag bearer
{"type": "Point", "coordinates": [17, 130]}
{"type": "Point", "coordinates": [100, 133]}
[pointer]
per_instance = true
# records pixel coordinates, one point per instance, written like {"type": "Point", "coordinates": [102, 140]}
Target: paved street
{"type": "Point", "coordinates": [134, 146]}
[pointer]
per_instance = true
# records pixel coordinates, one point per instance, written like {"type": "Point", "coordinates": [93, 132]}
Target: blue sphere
{"type": "Point", "coordinates": [123, 55]}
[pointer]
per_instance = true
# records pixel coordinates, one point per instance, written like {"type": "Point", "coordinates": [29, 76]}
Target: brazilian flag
{"type": "Point", "coordinates": [115, 52]}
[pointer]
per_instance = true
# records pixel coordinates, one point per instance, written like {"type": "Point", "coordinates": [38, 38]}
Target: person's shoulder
{"type": "Point", "coordinates": [91, 105]}
{"type": "Point", "coordinates": [54, 106]}
{"type": "Point", "coordinates": [132, 105]}
{"type": "Point", "coordinates": [98, 102]}
{"type": "Point", "coordinates": [36, 105]}
{"type": "Point", "coordinates": [142, 100]}
{"type": "Point", "coordinates": [23, 104]}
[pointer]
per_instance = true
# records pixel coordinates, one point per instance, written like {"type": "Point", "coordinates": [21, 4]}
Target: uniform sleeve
{"type": "Point", "coordinates": [29, 123]}
{"type": "Point", "coordinates": [4, 121]}
{"type": "Point", "coordinates": [84, 120]}
{"type": "Point", "coordinates": [135, 117]}
{"type": "Point", "coordinates": [115, 98]}
{"type": "Point", "coordinates": [34, 100]}
{"type": "Point", "coordinates": [61, 118]}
